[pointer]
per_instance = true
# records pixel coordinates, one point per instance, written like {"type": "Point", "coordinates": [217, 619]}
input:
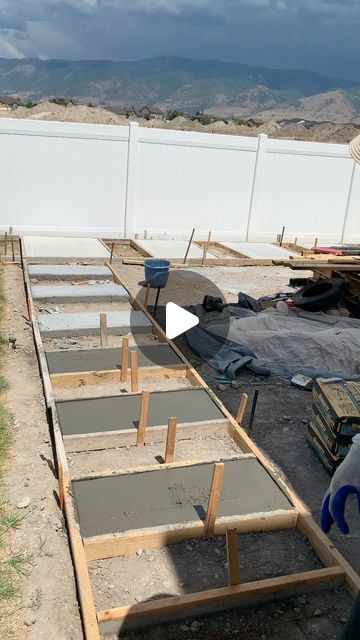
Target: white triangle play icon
{"type": "Point", "coordinates": [178, 320]}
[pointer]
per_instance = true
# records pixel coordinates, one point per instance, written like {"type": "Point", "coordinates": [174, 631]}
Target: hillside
{"type": "Point", "coordinates": [324, 132]}
{"type": "Point", "coordinates": [188, 85]}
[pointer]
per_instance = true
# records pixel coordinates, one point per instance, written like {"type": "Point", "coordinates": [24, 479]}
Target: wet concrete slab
{"type": "Point", "coordinates": [259, 250]}
{"type": "Point", "coordinates": [87, 323]}
{"type": "Point", "coordinates": [172, 249]}
{"type": "Point", "coordinates": [67, 248]}
{"type": "Point", "coordinates": [172, 496]}
{"type": "Point", "coordinates": [69, 272]}
{"type": "Point", "coordinates": [117, 413]}
{"type": "Point", "coordinates": [107, 359]}
{"type": "Point", "coordinates": [107, 292]}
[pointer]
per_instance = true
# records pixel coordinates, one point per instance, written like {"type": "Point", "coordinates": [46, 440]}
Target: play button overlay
{"type": "Point", "coordinates": [178, 320]}
{"type": "Point", "coordinates": [189, 300]}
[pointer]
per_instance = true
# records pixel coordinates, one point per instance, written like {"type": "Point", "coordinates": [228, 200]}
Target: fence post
{"type": "Point", "coordinates": [258, 169]}
{"type": "Point", "coordinates": [131, 179]}
{"type": "Point", "coordinates": [348, 204]}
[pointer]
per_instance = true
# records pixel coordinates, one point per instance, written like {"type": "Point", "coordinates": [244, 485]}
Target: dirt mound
{"type": "Point", "coordinates": [322, 132]}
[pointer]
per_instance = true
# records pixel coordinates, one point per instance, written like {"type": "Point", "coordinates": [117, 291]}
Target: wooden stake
{"type": "Point", "coordinates": [103, 330]}
{"type": "Point", "coordinates": [232, 556]}
{"type": "Point", "coordinates": [189, 245]}
{"type": "Point", "coordinates": [315, 242]}
{"type": "Point", "coordinates": [61, 486]}
{"type": "Point", "coordinates": [147, 294]}
{"type": "Point", "coordinates": [5, 248]}
{"type": "Point", "coordinates": [124, 359]}
{"type": "Point", "coordinates": [253, 407]}
{"type": "Point", "coordinates": [282, 236]}
{"type": "Point", "coordinates": [242, 407]}
{"type": "Point", "coordinates": [112, 252]}
{"type": "Point", "coordinates": [170, 440]}
{"type": "Point", "coordinates": [295, 243]}
{"type": "Point", "coordinates": [134, 371]}
{"type": "Point", "coordinates": [206, 248]}
{"type": "Point", "coordinates": [214, 498]}
{"type": "Point", "coordinates": [143, 417]}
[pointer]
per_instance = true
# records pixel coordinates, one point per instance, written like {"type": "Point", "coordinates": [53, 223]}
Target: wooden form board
{"type": "Point", "coordinates": [237, 260]}
{"type": "Point", "coordinates": [336, 567]}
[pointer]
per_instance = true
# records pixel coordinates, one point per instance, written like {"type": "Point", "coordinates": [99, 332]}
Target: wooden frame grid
{"type": "Point", "coordinates": [83, 550]}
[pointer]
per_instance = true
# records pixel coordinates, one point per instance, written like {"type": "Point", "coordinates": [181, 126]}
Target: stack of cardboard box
{"type": "Point", "coordinates": [335, 419]}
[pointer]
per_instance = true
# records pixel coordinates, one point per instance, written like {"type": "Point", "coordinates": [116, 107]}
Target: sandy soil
{"type": "Point", "coordinates": [332, 132]}
{"type": "Point", "coordinates": [211, 447]}
{"type": "Point", "coordinates": [195, 565]}
{"type": "Point", "coordinates": [49, 606]}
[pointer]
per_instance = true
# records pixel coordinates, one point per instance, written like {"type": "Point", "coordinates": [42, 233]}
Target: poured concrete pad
{"type": "Point", "coordinates": [107, 292]}
{"type": "Point", "coordinates": [114, 413]}
{"type": "Point", "coordinates": [259, 250]}
{"type": "Point", "coordinates": [87, 323]}
{"type": "Point", "coordinates": [69, 272]}
{"type": "Point", "coordinates": [53, 247]}
{"type": "Point", "coordinates": [108, 359]}
{"type": "Point", "coordinates": [172, 496]}
{"type": "Point", "coordinates": [172, 249]}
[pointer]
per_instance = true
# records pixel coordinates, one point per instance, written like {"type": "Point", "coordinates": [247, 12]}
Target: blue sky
{"type": "Point", "coordinates": [321, 35]}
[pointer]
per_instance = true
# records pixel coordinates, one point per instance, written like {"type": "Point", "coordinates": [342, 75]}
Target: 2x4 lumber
{"type": "Point", "coordinates": [80, 378]}
{"type": "Point", "coordinates": [327, 551]}
{"type": "Point", "coordinates": [83, 583]}
{"type": "Point", "coordinates": [170, 440]}
{"type": "Point", "coordinates": [158, 466]}
{"type": "Point", "coordinates": [241, 409]}
{"type": "Point", "coordinates": [206, 248]}
{"type": "Point", "coordinates": [180, 604]}
{"type": "Point", "coordinates": [214, 498]}
{"type": "Point", "coordinates": [125, 437]}
{"type": "Point", "coordinates": [103, 330]}
{"type": "Point", "coordinates": [143, 418]}
{"type": "Point", "coordinates": [124, 359]}
{"type": "Point", "coordinates": [232, 556]}
{"type": "Point", "coordinates": [134, 371]}
{"type": "Point", "coordinates": [113, 545]}
{"type": "Point", "coordinates": [211, 262]}
{"type": "Point", "coordinates": [60, 455]}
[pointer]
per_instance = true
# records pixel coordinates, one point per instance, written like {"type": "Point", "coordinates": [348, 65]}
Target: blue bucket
{"type": "Point", "coordinates": [156, 272]}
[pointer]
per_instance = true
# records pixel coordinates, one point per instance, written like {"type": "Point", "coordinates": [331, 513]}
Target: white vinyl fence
{"type": "Point", "coordinates": [99, 180]}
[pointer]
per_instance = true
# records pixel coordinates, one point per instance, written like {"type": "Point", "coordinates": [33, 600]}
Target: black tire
{"type": "Point", "coordinates": [320, 295]}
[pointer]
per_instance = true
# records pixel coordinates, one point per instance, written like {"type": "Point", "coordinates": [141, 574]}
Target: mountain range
{"type": "Point", "coordinates": [184, 84]}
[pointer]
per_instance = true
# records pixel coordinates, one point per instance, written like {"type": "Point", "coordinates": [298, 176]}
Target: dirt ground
{"type": "Point", "coordinates": [49, 607]}
{"type": "Point", "coordinates": [342, 128]}
{"type": "Point", "coordinates": [282, 411]}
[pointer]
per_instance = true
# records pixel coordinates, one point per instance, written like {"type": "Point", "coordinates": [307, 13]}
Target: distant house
{"type": "Point", "coordinates": [65, 102]}
{"type": "Point", "coordinates": [7, 103]}
{"type": "Point", "coordinates": [120, 111]}
{"type": "Point", "coordinates": [152, 112]}
{"type": "Point", "coordinates": [255, 122]}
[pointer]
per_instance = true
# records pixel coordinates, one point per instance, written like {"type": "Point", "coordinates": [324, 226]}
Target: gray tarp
{"type": "Point", "coordinates": [316, 344]}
